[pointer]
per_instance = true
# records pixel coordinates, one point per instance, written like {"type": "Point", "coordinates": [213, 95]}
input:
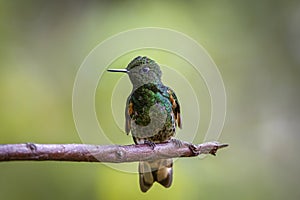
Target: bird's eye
{"type": "Point", "coordinates": [145, 69]}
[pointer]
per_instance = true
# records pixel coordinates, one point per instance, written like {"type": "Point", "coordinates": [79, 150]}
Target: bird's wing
{"type": "Point", "coordinates": [175, 107]}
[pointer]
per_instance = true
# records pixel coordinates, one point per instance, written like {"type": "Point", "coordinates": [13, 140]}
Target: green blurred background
{"type": "Point", "coordinates": [255, 44]}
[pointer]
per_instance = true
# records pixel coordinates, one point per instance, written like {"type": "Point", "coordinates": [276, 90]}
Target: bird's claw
{"type": "Point", "coordinates": [151, 144]}
{"type": "Point", "coordinates": [178, 143]}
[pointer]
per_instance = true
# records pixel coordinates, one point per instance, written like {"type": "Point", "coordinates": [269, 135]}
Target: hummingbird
{"type": "Point", "coordinates": [152, 115]}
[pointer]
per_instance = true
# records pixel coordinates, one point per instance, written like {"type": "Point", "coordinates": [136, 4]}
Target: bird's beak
{"type": "Point", "coordinates": [118, 70]}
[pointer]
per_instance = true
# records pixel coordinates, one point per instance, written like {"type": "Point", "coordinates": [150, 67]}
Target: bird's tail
{"type": "Point", "coordinates": [160, 171]}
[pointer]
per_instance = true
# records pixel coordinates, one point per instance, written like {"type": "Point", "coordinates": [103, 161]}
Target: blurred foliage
{"type": "Point", "coordinates": [256, 45]}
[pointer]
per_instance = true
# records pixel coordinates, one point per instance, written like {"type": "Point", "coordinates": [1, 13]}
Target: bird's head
{"type": "Point", "coordinates": [142, 70]}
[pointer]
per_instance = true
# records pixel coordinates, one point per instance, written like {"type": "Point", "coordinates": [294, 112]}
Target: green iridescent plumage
{"type": "Point", "coordinates": [150, 107]}
{"type": "Point", "coordinates": [152, 114]}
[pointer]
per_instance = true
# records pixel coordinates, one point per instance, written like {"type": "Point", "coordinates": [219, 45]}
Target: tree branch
{"type": "Point", "coordinates": [109, 153]}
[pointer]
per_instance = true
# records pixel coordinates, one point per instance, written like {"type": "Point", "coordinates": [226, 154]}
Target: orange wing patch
{"type": "Point", "coordinates": [130, 108]}
{"type": "Point", "coordinates": [175, 107]}
{"type": "Point", "coordinates": [173, 102]}
{"type": "Point", "coordinates": [128, 112]}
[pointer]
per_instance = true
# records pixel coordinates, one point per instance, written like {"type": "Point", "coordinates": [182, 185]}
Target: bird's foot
{"type": "Point", "coordinates": [151, 144]}
{"type": "Point", "coordinates": [178, 143]}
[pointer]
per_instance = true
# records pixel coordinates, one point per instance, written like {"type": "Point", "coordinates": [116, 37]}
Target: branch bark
{"type": "Point", "coordinates": [108, 153]}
